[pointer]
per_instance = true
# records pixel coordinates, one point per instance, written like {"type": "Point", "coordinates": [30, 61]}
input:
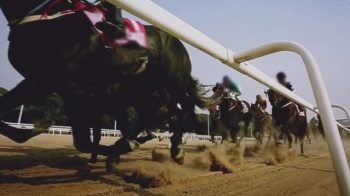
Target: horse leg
{"type": "Point", "coordinates": [308, 133]}
{"type": "Point", "coordinates": [177, 153]}
{"type": "Point", "coordinates": [269, 138]}
{"type": "Point", "coordinates": [284, 131]}
{"type": "Point", "coordinates": [96, 141]}
{"type": "Point", "coordinates": [290, 141]}
{"type": "Point", "coordinates": [245, 132]}
{"type": "Point", "coordinates": [233, 134]}
{"type": "Point", "coordinates": [25, 92]}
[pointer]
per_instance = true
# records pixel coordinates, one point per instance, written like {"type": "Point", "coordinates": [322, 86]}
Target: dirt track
{"type": "Point", "coordinates": [49, 165]}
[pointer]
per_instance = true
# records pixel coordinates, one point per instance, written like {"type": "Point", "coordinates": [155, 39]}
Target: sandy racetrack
{"type": "Point", "coordinates": [49, 165]}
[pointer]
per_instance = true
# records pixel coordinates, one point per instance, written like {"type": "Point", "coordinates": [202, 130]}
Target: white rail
{"type": "Point", "coordinates": [164, 20]}
{"type": "Point", "coordinates": [347, 113]}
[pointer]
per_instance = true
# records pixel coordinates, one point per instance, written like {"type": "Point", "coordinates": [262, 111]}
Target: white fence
{"type": "Point", "coordinates": [154, 14]}
{"type": "Point", "coordinates": [59, 130]}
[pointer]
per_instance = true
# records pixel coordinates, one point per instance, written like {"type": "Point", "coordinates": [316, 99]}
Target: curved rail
{"type": "Point", "coordinates": [347, 113]}
{"type": "Point", "coordinates": [156, 15]}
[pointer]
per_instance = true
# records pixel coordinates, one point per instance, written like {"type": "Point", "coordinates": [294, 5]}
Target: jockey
{"type": "Point", "coordinates": [261, 102]}
{"type": "Point", "coordinates": [282, 79]}
{"type": "Point", "coordinates": [235, 90]}
{"type": "Point", "coordinates": [113, 27]}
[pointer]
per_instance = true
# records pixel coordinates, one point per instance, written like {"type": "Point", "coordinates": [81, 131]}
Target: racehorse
{"type": "Point", "coordinates": [315, 128]}
{"type": "Point", "coordinates": [68, 55]}
{"type": "Point", "coordinates": [230, 113]}
{"type": "Point", "coordinates": [262, 123]}
{"type": "Point", "coordinates": [286, 114]}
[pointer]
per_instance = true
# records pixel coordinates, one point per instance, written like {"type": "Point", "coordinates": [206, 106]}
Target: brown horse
{"type": "Point", "coordinates": [286, 114]}
{"type": "Point", "coordinates": [263, 123]}
{"type": "Point", "coordinates": [315, 128]}
{"type": "Point", "coordinates": [321, 129]}
{"type": "Point", "coordinates": [231, 115]}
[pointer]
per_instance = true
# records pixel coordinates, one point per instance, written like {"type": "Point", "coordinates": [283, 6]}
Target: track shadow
{"type": "Point", "coordinates": [23, 157]}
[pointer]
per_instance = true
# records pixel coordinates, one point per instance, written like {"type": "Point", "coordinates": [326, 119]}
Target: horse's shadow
{"type": "Point", "coordinates": [23, 157]}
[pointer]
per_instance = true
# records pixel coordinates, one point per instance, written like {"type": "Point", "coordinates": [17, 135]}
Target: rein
{"type": "Point", "coordinates": [228, 98]}
{"type": "Point", "coordinates": [31, 12]}
{"type": "Point", "coordinates": [263, 118]}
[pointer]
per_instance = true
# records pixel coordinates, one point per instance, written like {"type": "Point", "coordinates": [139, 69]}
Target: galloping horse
{"type": "Point", "coordinates": [286, 114]}
{"type": "Point", "coordinates": [262, 123]}
{"type": "Point", "coordinates": [68, 55]}
{"type": "Point", "coordinates": [231, 115]}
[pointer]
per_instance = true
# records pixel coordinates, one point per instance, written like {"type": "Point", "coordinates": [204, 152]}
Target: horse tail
{"type": "Point", "coordinates": [197, 93]}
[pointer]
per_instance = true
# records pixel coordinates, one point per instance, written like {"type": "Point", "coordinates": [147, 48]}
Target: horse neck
{"type": "Point", "coordinates": [226, 105]}
{"type": "Point", "coordinates": [283, 102]}
{"type": "Point", "coordinates": [15, 9]}
{"type": "Point", "coordinates": [259, 115]}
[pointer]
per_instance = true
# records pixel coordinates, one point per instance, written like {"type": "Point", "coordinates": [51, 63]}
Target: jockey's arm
{"type": "Point", "coordinates": [236, 88]}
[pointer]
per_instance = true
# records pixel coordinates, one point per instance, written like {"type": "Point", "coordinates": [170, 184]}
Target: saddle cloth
{"type": "Point", "coordinates": [135, 31]}
{"type": "Point", "coordinates": [135, 34]}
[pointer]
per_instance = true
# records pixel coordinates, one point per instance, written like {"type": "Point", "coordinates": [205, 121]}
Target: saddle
{"type": "Point", "coordinates": [136, 37]}
{"type": "Point", "coordinates": [241, 105]}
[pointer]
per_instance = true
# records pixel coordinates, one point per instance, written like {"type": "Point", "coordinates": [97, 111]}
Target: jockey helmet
{"type": "Point", "coordinates": [281, 75]}
{"type": "Point", "coordinates": [258, 97]}
{"type": "Point", "coordinates": [226, 78]}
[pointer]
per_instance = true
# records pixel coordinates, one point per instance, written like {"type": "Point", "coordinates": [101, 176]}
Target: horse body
{"type": "Point", "coordinates": [287, 115]}
{"type": "Point", "coordinates": [231, 115]}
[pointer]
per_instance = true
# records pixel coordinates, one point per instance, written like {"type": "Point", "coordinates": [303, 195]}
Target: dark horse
{"type": "Point", "coordinates": [67, 56]}
{"type": "Point", "coordinates": [286, 114]}
{"type": "Point", "coordinates": [231, 115]}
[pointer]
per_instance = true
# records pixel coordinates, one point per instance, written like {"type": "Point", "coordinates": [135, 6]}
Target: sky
{"type": "Point", "coordinates": [322, 26]}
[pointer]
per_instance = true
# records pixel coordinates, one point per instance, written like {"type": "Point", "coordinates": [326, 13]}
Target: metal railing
{"type": "Point", "coordinates": [156, 15]}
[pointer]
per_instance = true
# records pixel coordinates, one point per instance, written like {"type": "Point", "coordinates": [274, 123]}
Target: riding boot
{"type": "Point", "coordinates": [113, 28]}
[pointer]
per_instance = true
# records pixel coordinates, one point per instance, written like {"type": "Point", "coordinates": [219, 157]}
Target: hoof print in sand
{"type": "Point", "coordinates": [148, 180]}
{"type": "Point", "coordinates": [219, 164]}
{"type": "Point", "coordinates": [159, 157]}
{"type": "Point", "coordinates": [270, 161]}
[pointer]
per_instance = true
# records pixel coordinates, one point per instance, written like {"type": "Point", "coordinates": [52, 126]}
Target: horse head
{"type": "Point", "coordinates": [218, 90]}
{"type": "Point", "coordinates": [255, 108]}
{"type": "Point", "coordinates": [214, 111]}
{"type": "Point", "coordinates": [274, 97]}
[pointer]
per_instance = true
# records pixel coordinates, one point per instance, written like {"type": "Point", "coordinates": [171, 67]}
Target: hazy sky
{"type": "Point", "coordinates": [322, 26]}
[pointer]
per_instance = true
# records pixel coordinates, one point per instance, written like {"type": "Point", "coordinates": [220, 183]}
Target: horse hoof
{"type": "Point", "coordinates": [161, 138]}
{"type": "Point", "coordinates": [111, 163]}
{"type": "Point", "coordinates": [280, 142]}
{"type": "Point", "coordinates": [154, 136]}
{"type": "Point", "coordinates": [178, 155]}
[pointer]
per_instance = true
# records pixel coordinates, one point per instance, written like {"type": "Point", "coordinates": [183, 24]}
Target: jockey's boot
{"type": "Point", "coordinates": [113, 28]}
